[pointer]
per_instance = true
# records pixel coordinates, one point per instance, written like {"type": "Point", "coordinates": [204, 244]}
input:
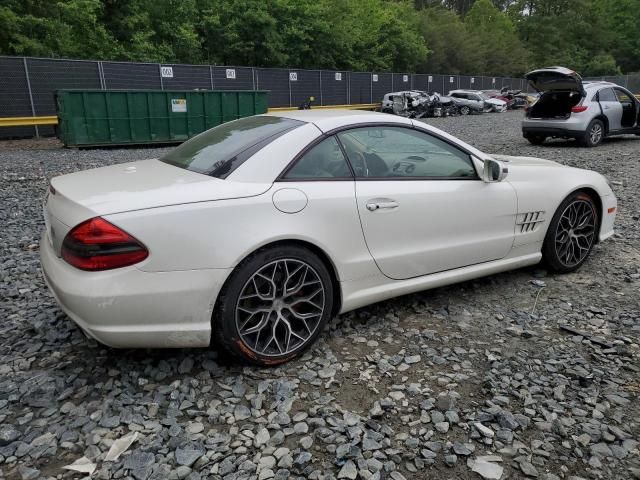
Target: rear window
{"type": "Point", "coordinates": [219, 151]}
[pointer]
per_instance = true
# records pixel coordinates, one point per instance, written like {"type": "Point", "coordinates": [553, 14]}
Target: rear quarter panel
{"type": "Point", "coordinates": [220, 234]}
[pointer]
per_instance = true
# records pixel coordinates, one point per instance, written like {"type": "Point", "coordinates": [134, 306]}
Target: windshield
{"type": "Point", "coordinates": [484, 96]}
{"type": "Point", "coordinates": [219, 151]}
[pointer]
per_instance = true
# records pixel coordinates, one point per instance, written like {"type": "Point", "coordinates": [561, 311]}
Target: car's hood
{"type": "Point", "coordinates": [526, 161]}
{"type": "Point", "coordinates": [555, 79]}
{"type": "Point", "coordinates": [139, 185]}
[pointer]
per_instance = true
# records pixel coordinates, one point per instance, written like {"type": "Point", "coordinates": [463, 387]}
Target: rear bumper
{"type": "Point", "coordinates": [129, 308]}
{"type": "Point", "coordinates": [551, 132]}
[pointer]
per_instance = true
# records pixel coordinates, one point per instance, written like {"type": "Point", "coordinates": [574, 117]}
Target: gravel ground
{"type": "Point", "coordinates": [475, 380]}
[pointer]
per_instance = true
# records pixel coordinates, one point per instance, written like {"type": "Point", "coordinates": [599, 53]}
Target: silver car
{"type": "Point", "coordinates": [570, 108]}
{"type": "Point", "coordinates": [480, 98]}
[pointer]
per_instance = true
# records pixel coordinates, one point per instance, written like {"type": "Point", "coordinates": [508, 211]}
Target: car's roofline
{"type": "Point", "coordinates": [599, 83]}
{"type": "Point", "coordinates": [329, 119]}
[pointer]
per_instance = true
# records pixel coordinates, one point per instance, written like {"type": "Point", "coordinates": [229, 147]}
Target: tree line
{"type": "Point", "coordinates": [477, 37]}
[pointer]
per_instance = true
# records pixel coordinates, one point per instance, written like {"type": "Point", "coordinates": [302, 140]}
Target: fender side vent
{"type": "Point", "coordinates": [529, 221]}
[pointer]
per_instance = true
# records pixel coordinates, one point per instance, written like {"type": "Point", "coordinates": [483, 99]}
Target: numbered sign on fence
{"type": "Point", "coordinates": [293, 76]}
{"type": "Point", "coordinates": [374, 78]}
{"type": "Point", "coordinates": [473, 80]}
{"type": "Point", "coordinates": [405, 78]}
{"type": "Point", "coordinates": [166, 72]}
{"type": "Point", "coordinates": [450, 79]}
{"type": "Point", "coordinates": [339, 76]}
{"type": "Point", "coordinates": [430, 78]}
{"type": "Point", "coordinates": [231, 73]}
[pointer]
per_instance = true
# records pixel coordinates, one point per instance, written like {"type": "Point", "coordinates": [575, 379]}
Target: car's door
{"type": "Point", "coordinates": [611, 107]}
{"type": "Point", "coordinates": [477, 100]}
{"type": "Point", "coordinates": [422, 205]}
{"type": "Point", "coordinates": [628, 105]}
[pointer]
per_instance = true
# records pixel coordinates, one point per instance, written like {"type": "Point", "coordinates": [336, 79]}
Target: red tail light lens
{"type": "Point", "coordinates": [96, 244]}
{"type": "Point", "coordinates": [578, 109]}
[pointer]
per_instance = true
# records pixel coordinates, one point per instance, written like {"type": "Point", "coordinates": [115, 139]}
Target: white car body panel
{"type": "Point", "coordinates": [436, 226]}
{"type": "Point", "coordinates": [198, 229]}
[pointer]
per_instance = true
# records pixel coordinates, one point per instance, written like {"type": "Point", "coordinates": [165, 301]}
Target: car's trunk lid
{"type": "Point", "coordinates": [139, 185]}
{"type": "Point", "coordinates": [555, 79]}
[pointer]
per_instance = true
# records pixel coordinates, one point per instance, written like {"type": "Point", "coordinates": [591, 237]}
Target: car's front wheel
{"type": "Point", "coordinates": [274, 305]}
{"type": "Point", "coordinates": [465, 110]}
{"type": "Point", "coordinates": [594, 134]}
{"type": "Point", "coordinates": [572, 233]}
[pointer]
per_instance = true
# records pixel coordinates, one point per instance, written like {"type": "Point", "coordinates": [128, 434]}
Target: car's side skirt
{"type": "Point", "coordinates": [359, 293]}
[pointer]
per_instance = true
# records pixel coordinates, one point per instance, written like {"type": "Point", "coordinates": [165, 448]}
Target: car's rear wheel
{"type": "Point", "coordinates": [274, 306]}
{"type": "Point", "coordinates": [594, 134]}
{"type": "Point", "coordinates": [536, 139]}
{"type": "Point", "coordinates": [465, 110]}
{"type": "Point", "coordinates": [571, 234]}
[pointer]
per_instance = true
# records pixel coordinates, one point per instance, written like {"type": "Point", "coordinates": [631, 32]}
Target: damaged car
{"type": "Point", "coordinates": [490, 104]}
{"type": "Point", "coordinates": [571, 108]}
{"type": "Point", "coordinates": [419, 104]}
{"type": "Point", "coordinates": [468, 102]}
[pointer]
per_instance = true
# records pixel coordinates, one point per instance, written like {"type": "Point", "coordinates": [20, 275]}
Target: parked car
{"type": "Point", "coordinates": [401, 103]}
{"type": "Point", "coordinates": [570, 108]}
{"type": "Point", "coordinates": [418, 104]}
{"type": "Point", "coordinates": [513, 98]}
{"type": "Point", "coordinates": [468, 102]}
{"type": "Point", "coordinates": [489, 104]}
{"type": "Point", "coordinates": [255, 233]}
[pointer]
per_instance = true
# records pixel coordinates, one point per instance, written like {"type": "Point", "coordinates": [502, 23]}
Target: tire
{"type": "Point", "coordinates": [571, 234]}
{"type": "Point", "coordinates": [536, 139]}
{"type": "Point", "coordinates": [594, 134]}
{"type": "Point", "coordinates": [248, 300]}
{"type": "Point", "coordinates": [465, 110]}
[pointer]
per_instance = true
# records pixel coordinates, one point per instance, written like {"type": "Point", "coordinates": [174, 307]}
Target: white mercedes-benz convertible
{"type": "Point", "coordinates": [254, 233]}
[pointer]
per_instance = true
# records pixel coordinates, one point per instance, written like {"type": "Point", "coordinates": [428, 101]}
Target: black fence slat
{"type": "Point", "coordinates": [335, 88]}
{"type": "Point", "coordinates": [186, 77]}
{"type": "Point", "coordinates": [381, 83]}
{"type": "Point", "coordinates": [305, 86]}
{"type": "Point", "coordinates": [131, 76]}
{"type": "Point", "coordinates": [233, 78]}
{"type": "Point", "coordinates": [276, 81]}
{"type": "Point", "coordinates": [14, 96]}
{"type": "Point", "coordinates": [360, 87]}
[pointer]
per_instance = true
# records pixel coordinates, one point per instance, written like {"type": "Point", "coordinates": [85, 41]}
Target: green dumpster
{"type": "Point", "coordinates": [120, 117]}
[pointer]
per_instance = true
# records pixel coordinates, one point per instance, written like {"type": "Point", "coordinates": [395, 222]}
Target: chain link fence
{"type": "Point", "coordinates": [631, 82]}
{"type": "Point", "coordinates": [27, 84]}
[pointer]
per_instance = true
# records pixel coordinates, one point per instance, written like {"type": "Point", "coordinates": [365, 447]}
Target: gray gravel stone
{"type": "Point", "coordinates": [188, 456]}
{"type": "Point", "coordinates": [377, 388]}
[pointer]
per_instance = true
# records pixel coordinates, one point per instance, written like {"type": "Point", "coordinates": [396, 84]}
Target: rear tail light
{"type": "Point", "coordinates": [578, 109]}
{"type": "Point", "coordinates": [96, 244]}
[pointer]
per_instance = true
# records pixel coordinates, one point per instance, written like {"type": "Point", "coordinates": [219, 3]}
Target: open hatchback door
{"type": "Point", "coordinates": [555, 79]}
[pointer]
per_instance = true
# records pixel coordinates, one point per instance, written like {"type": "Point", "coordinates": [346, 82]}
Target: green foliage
{"type": "Point", "coordinates": [492, 37]}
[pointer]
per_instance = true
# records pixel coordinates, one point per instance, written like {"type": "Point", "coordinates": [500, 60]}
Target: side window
{"type": "Point", "coordinates": [607, 95]}
{"type": "Point", "coordinates": [389, 152]}
{"type": "Point", "coordinates": [325, 160]}
{"type": "Point", "coordinates": [623, 97]}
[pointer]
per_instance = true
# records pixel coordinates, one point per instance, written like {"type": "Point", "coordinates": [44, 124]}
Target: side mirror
{"type": "Point", "coordinates": [494, 171]}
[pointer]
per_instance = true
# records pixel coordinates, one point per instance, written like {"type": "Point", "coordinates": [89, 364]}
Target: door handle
{"type": "Point", "coordinates": [606, 107]}
{"type": "Point", "coordinates": [373, 206]}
